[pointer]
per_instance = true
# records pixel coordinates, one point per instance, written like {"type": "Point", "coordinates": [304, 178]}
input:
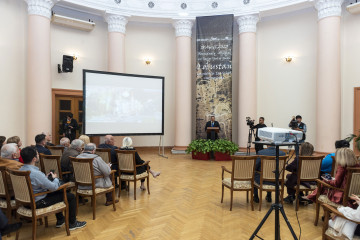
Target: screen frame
{"type": "Point", "coordinates": [128, 75]}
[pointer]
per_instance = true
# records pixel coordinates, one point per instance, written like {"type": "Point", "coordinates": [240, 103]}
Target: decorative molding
{"type": "Point", "coordinates": [40, 7]}
{"type": "Point", "coordinates": [328, 8]}
{"type": "Point", "coordinates": [247, 23]}
{"type": "Point", "coordinates": [116, 23]}
{"type": "Point", "coordinates": [183, 28]}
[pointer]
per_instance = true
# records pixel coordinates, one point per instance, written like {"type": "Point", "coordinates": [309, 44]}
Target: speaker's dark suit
{"type": "Point", "coordinates": [214, 124]}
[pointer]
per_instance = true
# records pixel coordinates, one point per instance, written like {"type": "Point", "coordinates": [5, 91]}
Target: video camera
{"type": "Point", "coordinates": [293, 124]}
{"type": "Point", "coordinates": [250, 122]}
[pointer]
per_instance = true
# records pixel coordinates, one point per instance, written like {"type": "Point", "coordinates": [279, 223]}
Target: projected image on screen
{"type": "Point", "coordinates": [121, 104]}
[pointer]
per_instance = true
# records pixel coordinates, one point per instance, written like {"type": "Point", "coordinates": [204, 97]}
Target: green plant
{"type": "Point", "coordinates": [224, 146]}
{"type": "Point", "coordinates": [356, 140]}
{"type": "Point", "coordinates": [200, 145]}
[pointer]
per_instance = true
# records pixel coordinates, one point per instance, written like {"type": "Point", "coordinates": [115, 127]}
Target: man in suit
{"type": "Point", "coordinates": [40, 141]}
{"type": "Point", "coordinates": [212, 123]}
{"type": "Point", "coordinates": [69, 127]}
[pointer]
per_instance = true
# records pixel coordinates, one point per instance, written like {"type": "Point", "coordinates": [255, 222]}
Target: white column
{"type": "Point", "coordinates": [116, 42]}
{"type": "Point", "coordinates": [328, 121]}
{"type": "Point", "coordinates": [183, 84]}
{"type": "Point", "coordinates": [38, 85]}
{"type": "Point", "coordinates": [247, 105]}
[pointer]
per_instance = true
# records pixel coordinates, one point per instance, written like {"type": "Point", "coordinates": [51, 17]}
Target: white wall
{"type": "Point", "coordinates": [13, 67]}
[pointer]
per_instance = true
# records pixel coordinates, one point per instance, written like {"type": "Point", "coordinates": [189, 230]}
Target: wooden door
{"type": "Point", "coordinates": [356, 114]}
{"type": "Point", "coordinates": [63, 106]}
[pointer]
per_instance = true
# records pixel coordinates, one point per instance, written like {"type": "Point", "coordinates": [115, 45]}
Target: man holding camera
{"type": "Point", "coordinates": [297, 124]}
{"type": "Point", "coordinates": [261, 124]}
{"type": "Point", "coordinates": [69, 127]}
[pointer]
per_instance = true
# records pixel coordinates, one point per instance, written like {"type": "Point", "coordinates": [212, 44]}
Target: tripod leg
{"type": "Point", "coordinates": [288, 223]}
{"type": "Point", "coordinates": [262, 223]}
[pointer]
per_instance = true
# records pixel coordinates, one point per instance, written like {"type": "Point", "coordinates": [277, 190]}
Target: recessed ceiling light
{"type": "Point", "coordinates": [246, 1]}
{"type": "Point", "coordinates": [214, 5]}
{"type": "Point", "coordinates": [183, 5]}
{"type": "Point", "coordinates": [117, 1]}
{"type": "Point", "coordinates": [151, 4]}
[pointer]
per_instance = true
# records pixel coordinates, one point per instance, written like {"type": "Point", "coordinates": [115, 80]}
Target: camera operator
{"type": "Point", "coordinates": [297, 124]}
{"type": "Point", "coordinates": [261, 124]}
{"type": "Point", "coordinates": [69, 127]}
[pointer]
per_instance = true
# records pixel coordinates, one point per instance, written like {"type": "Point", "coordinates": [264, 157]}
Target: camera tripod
{"type": "Point", "coordinates": [251, 133]}
{"type": "Point", "coordinates": [277, 206]}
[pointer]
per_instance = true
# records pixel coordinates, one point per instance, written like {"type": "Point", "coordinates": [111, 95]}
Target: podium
{"type": "Point", "coordinates": [212, 131]}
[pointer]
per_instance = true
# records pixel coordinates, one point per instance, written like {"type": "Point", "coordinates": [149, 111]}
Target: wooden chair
{"type": "Point", "coordinates": [56, 150]}
{"type": "Point", "coordinates": [105, 154]}
{"type": "Point", "coordinates": [328, 233]}
{"type": "Point", "coordinates": [5, 198]}
{"type": "Point", "coordinates": [242, 177]}
{"type": "Point", "coordinates": [308, 171]}
{"type": "Point", "coordinates": [53, 162]}
{"type": "Point", "coordinates": [127, 169]}
{"type": "Point", "coordinates": [84, 176]}
{"type": "Point", "coordinates": [268, 166]}
{"type": "Point", "coordinates": [25, 201]}
{"type": "Point", "coordinates": [352, 187]}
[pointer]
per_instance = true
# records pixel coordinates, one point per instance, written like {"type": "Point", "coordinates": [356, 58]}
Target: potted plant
{"type": "Point", "coordinates": [200, 149]}
{"type": "Point", "coordinates": [223, 149]}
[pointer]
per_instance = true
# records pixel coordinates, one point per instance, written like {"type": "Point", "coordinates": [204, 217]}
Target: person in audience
{"type": "Point", "coordinates": [127, 145]}
{"type": "Point", "coordinates": [109, 142]}
{"type": "Point", "coordinates": [40, 141]}
{"type": "Point", "coordinates": [48, 139]}
{"type": "Point", "coordinates": [64, 142]}
{"type": "Point", "coordinates": [2, 141]}
{"type": "Point", "coordinates": [5, 227]}
{"type": "Point", "coordinates": [41, 183]}
{"type": "Point", "coordinates": [270, 151]}
{"type": "Point", "coordinates": [344, 158]}
{"type": "Point", "coordinates": [326, 163]}
{"type": "Point", "coordinates": [85, 139]}
{"type": "Point", "coordinates": [17, 141]}
{"type": "Point", "coordinates": [100, 169]}
{"type": "Point", "coordinates": [73, 151]}
{"type": "Point", "coordinates": [306, 149]}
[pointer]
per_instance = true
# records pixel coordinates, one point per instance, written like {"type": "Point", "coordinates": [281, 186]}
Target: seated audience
{"type": "Point", "coordinates": [17, 141]}
{"type": "Point", "coordinates": [5, 227]}
{"type": "Point", "coordinates": [326, 163]}
{"type": "Point", "coordinates": [85, 139]}
{"type": "Point", "coordinates": [64, 142]}
{"type": "Point", "coordinates": [41, 183]}
{"type": "Point", "coordinates": [100, 169]}
{"type": "Point", "coordinates": [306, 149]}
{"type": "Point", "coordinates": [270, 151]}
{"type": "Point", "coordinates": [344, 158]}
{"type": "Point", "coordinates": [40, 141]}
{"type": "Point", "coordinates": [73, 151]}
{"type": "Point", "coordinates": [127, 145]}
{"type": "Point", "coordinates": [2, 141]}
{"type": "Point", "coordinates": [48, 138]}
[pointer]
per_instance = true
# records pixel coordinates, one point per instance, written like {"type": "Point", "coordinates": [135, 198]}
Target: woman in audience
{"type": "Point", "coordinates": [2, 141]}
{"type": "Point", "coordinates": [85, 139]}
{"type": "Point", "coordinates": [307, 149]}
{"type": "Point", "coordinates": [17, 141]}
{"type": "Point", "coordinates": [344, 158]}
{"type": "Point", "coordinates": [127, 145]}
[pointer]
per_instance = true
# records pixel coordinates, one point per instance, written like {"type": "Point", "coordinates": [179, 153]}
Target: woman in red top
{"type": "Point", "coordinates": [344, 158]}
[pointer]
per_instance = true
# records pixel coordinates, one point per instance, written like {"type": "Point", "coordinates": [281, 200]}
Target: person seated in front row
{"type": "Point", "coordinates": [326, 163]}
{"type": "Point", "coordinates": [73, 151]}
{"type": "Point", "coordinates": [64, 142]}
{"type": "Point", "coordinates": [100, 169]}
{"type": "Point", "coordinates": [41, 183]}
{"type": "Point", "coordinates": [40, 141]}
{"type": "Point", "coordinates": [306, 149]}
{"type": "Point", "coordinates": [344, 158]}
{"type": "Point", "coordinates": [270, 151]}
{"type": "Point", "coordinates": [127, 145]}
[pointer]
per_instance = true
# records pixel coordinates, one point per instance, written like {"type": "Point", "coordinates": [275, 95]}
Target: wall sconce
{"type": "Point", "coordinates": [288, 59]}
{"type": "Point", "coordinates": [75, 57]}
{"type": "Point", "coordinates": [147, 61]}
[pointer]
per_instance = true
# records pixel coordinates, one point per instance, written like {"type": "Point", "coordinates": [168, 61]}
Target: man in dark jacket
{"type": "Point", "coordinates": [40, 141]}
{"type": "Point", "coordinates": [73, 151]}
{"type": "Point", "coordinates": [212, 123]}
{"type": "Point", "coordinates": [69, 127]}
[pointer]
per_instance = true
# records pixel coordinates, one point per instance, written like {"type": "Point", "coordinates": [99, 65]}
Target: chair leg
{"type": "Point", "coordinates": [40, 221]}
{"type": "Point", "coordinates": [222, 193]}
{"type": "Point", "coordinates": [113, 197]}
{"type": "Point", "coordinates": [282, 194]}
{"type": "Point", "coordinates": [119, 187]}
{"type": "Point", "coordinates": [317, 213]}
{"type": "Point", "coordinates": [77, 204]}
{"type": "Point", "coordinates": [260, 198]}
{"type": "Point", "coordinates": [67, 221]}
{"type": "Point", "coordinates": [93, 201]}
{"type": "Point", "coordinates": [34, 228]}
{"type": "Point", "coordinates": [148, 184]}
{"type": "Point", "coordinates": [18, 231]}
{"type": "Point", "coordinates": [247, 196]}
{"type": "Point", "coordinates": [252, 199]}
{"type": "Point", "coordinates": [134, 190]}
{"type": "Point", "coordinates": [297, 200]}
{"type": "Point", "coordinates": [46, 221]}
{"type": "Point", "coordinates": [231, 199]}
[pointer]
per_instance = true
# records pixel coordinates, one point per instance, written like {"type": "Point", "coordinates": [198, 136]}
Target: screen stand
{"type": "Point", "coordinates": [161, 147]}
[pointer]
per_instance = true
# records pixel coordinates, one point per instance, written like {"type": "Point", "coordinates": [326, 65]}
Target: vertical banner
{"type": "Point", "coordinates": [214, 43]}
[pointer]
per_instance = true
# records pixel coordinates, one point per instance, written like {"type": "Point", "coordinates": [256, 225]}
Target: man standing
{"type": "Point", "coordinates": [212, 123]}
{"type": "Point", "coordinates": [69, 127]}
{"type": "Point", "coordinates": [298, 125]}
{"type": "Point", "coordinates": [261, 124]}
{"type": "Point", "coordinates": [40, 141]}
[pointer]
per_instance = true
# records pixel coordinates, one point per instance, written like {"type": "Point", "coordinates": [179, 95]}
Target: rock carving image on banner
{"type": "Point", "coordinates": [214, 43]}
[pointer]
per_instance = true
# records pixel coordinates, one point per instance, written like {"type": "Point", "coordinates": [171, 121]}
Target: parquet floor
{"type": "Point", "coordinates": [184, 204]}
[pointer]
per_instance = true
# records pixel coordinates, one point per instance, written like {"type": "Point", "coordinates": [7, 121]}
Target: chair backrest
{"type": "Point", "coordinates": [243, 167]}
{"type": "Point", "coordinates": [268, 166]}
{"type": "Point", "coordinates": [22, 187]}
{"type": "Point", "coordinates": [51, 162]}
{"type": "Point", "coordinates": [126, 160]}
{"type": "Point", "coordinates": [353, 183]}
{"type": "Point", "coordinates": [3, 183]}
{"type": "Point", "coordinates": [309, 168]}
{"type": "Point", "coordinates": [56, 150]}
{"type": "Point", "coordinates": [104, 153]}
{"type": "Point", "coordinates": [83, 170]}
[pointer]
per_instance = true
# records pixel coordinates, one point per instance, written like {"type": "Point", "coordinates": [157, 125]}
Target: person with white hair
{"type": "Point", "coordinates": [64, 142]}
{"type": "Point", "coordinates": [127, 145]}
{"type": "Point", "coordinates": [73, 151]}
{"type": "Point", "coordinates": [101, 168]}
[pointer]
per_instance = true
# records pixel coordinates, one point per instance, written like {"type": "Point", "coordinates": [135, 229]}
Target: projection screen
{"type": "Point", "coordinates": [122, 104]}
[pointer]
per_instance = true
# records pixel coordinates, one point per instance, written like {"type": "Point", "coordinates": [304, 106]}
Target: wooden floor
{"type": "Point", "coordinates": [184, 204]}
